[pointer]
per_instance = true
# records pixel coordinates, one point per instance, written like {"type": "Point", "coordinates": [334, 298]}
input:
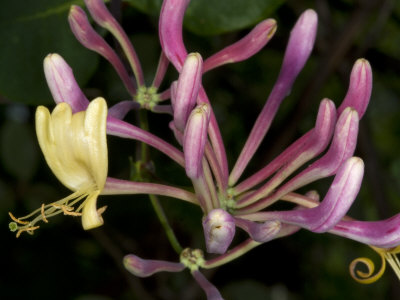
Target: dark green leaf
{"type": "Point", "coordinates": [209, 17]}
{"type": "Point", "coordinates": [28, 32]}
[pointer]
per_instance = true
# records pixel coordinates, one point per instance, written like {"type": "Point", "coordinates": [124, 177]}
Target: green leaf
{"type": "Point", "coordinates": [209, 17]}
{"type": "Point", "coordinates": [28, 32]}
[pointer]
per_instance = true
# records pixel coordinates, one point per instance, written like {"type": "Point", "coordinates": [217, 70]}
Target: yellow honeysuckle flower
{"type": "Point", "coordinates": [75, 148]}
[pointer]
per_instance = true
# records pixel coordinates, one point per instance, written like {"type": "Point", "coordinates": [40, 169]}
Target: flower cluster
{"type": "Point", "coordinates": [73, 140]}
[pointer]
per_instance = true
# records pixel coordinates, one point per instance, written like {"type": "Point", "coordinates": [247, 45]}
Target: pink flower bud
{"type": "Point", "coordinates": [62, 83]}
{"type": "Point", "coordinates": [195, 138]}
{"type": "Point", "coordinates": [246, 47]}
{"type": "Point", "coordinates": [146, 267]}
{"type": "Point", "coordinates": [219, 230]}
{"type": "Point", "coordinates": [187, 89]}
{"type": "Point", "coordinates": [360, 87]}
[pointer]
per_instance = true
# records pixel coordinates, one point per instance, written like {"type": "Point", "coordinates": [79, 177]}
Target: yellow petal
{"type": "Point", "coordinates": [74, 145]}
{"type": "Point", "coordinates": [95, 129]}
{"type": "Point", "coordinates": [90, 217]}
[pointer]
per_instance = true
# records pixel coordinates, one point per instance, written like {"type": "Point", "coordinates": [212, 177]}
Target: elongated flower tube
{"type": "Point", "coordinates": [332, 209]}
{"type": "Point", "coordinates": [382, 234]}
{"type": "Point", "coordinates": [194, 140]}
{"type": "Point", "coordinates": [187, 89]}
{"type": "Point", "coordinates": [299, 48]}
{"type": "Point", "coordinates": [341, 148]}
{"type": "Point", "coordinates": [219, 230]}
{"type": "Point", "coordinates": [145, 267]}
{"type": "Point", "coordinates": [89, 38]}
{"type": "Point", "coordinates": [170, 31]}
{"type": "Point", "coordinates": [75, 148]}
{"type": "Point", "coordinates": [311, 145]}
{"type": "Point", "coordinates": [360, 87]}
{"type": "Point", "coordinates": [246, 47]}
{"type": "Point", "coordinates": [104, 18]}
{"type": "Point", "coordinates": [62, 83]}
{"type": "Point", "coordinates": [211, 291]}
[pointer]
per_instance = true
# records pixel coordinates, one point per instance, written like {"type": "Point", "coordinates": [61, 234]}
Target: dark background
{"type": "Point", "coordinates": [61, 261]}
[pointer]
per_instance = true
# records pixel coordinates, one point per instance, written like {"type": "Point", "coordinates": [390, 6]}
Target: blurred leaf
{"type": "Point", "coordinates": [18, 152]}
{"type": "Point", "coordinates": [28, 32]}
{"type": "Point", "coordinates": [208, 17]}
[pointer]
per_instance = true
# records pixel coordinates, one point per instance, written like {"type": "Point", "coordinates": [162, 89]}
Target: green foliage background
{"type": "Point", "coordinates": [61, 261]}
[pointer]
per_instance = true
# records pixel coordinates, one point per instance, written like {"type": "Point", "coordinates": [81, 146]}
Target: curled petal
{"type": "Point", "coordinates": [246, 47]}
{"type": "Point", "coordinates": [62, 83]}
{"type": "Point", "coordinates": [219, 230]}
{"type": "Point", "coordinates": [366, 277]}
{"type": "Point", "coordinates": [146, 267]}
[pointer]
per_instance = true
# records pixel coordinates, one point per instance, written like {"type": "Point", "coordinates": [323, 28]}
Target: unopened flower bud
{"type": "Point", "coordinates": [360, 88]}
{"type": "Point", "coordinates": [195, 138]}
{"type": "Point", "coordinates": [219, 230]}
{"type": "Point", "coordinates": [146, 267]}
{"type": "Point", "coordinates": [62, 83]}
{"type": "Point", "coordinates": [187, 89]}
{"type": "Point", "coordinates": [246, 47]}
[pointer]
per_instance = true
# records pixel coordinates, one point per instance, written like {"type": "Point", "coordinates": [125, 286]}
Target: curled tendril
{"type": "Point", "coordinates": [368, 277]}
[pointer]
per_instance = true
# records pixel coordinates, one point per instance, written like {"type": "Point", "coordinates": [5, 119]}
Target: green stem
{"type": "Point", "coordinates": [144, 124]}
{"type": "Point", "coordinates": [165, 224]}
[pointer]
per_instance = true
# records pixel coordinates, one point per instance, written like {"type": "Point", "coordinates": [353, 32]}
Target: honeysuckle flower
{"type": "Point", "coordinates": [75, 148]}
{"type": "Point", "coordinates": [219, 230]}
{"type": "Point", "coordinates": [73, 139]}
